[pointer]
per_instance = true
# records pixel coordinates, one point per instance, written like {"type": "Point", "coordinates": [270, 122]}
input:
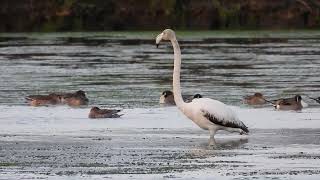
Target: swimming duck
{"type": "Point", "coordinates": [190, 98]}
{"type": "Point", "coordinates": [96, 112]}
{"type": "Point", "coordinates": [75, 99]}
{"type": "Point", "coordinates": [168, 98]}
{"type": "Point", "coordinates": [256, 99]}
{"type": "Point", "coordinates": [293, 103]}
{"type": "Point", "coordinates": [41, 100]}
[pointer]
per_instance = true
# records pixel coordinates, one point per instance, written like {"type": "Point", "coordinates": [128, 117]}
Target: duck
{"type": "Point", "coordinates": [190, 98]}
{"type": "Point", "coordinates": [256, 99]}
{"type": "Point", "coordinates": [75, 99]}
{"type": "Point", "coordinates": [167, 98]}
{"type": "Point", "coordinates": [96, 112]}
{"type": "Point", "coordinates": [42, 100]}
{"type": "Point", "coordinates": [294, 103]}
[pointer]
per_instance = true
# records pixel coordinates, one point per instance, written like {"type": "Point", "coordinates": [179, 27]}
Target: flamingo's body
{"type": "Point", "coordinates": [213, 115]}
{"type": "Point", "coordinates": [207, 113]}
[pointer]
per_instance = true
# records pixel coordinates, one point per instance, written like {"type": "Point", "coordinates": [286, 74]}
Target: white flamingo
{"type": "Point", "coordinates": [208, 114]}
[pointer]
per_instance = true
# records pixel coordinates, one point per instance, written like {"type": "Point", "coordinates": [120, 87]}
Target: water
{"type": "Point", "coordinates": [126, 70]}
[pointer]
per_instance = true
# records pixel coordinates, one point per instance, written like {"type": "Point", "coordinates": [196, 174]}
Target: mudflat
{"type": "Point", "coordinates": [162, 153]}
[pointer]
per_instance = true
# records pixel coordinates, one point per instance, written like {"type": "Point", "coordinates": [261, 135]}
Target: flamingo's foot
{"type": "Point", "coordinates": [212, 143]}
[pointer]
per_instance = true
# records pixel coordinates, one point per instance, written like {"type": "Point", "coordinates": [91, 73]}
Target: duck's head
{"type": "Point", "coordinates": [258, 94]}
{"type": "Point", "coordinates": [166, 97]}
{"type": "Point", "coordinates": [167, 93]}
{"type": "Point", "coordinates": [95, 108]}
{"type": "Point", "coordinates": [197, 96]}
{"type": "Point", "coordinates": [81, 93]}
{"type": "Point", "coordinates": [298, 98]}
{"type": "Point", "coordinates": [167, 34]}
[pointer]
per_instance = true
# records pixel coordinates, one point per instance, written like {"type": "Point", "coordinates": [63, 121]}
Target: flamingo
{"type": "Point", "coordinates": [208, 114]}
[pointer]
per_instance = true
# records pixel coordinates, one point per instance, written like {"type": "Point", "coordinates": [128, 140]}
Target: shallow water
{"type": "Point", "coordinates": [125, 70]}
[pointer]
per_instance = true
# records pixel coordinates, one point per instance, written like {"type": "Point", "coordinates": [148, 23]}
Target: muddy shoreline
{"type": "Point", "coordinates": [162, 152]}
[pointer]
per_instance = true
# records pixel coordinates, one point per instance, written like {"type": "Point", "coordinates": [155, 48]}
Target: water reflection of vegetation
{"type": "Point", "coordinates": [109, 35]}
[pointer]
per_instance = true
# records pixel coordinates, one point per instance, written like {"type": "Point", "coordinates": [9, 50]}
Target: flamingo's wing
{"type": "Point", "coordinates": [218, 113]}
{"type": "Point", "coordinates": [225, 122]}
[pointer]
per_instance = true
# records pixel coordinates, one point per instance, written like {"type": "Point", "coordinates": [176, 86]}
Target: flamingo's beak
{"type": "Point", "coordinates": [158, 39]}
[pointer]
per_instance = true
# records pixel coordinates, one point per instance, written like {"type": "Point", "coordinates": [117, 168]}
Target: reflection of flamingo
{"type": "Point", "coordinates": [230, 143]}
{"type": "Point", "coordinates": [207, 113]}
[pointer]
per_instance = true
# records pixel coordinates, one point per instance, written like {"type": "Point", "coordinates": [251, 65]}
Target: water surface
{"type": "Point", "coordinates": [127, 70]}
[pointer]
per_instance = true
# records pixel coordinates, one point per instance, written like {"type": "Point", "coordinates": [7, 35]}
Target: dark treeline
{"type": "Point", "coordinates": [98, 15]}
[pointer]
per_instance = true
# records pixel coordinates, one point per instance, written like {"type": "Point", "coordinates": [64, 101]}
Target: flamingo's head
{"type": "Point", "coordinates": [167, 34]}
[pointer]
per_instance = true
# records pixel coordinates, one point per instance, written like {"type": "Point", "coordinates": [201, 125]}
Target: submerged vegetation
{"type": "Point", "coordinates": [98, 15]}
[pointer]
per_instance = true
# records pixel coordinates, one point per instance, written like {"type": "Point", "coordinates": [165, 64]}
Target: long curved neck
{"type": "Point", "coordinates": [176, 74]}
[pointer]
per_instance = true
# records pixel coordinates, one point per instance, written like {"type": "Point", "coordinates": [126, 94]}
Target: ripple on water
{"type": "Point", "coordinates": [222, 68]}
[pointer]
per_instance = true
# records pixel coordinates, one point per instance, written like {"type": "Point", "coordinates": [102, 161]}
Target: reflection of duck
{"type": "Point", "coordinates": [75, 99]}
{"type": "Point", "coordinates": [256, 99]}
{"type": "Point", "coordinates": [167, 98]}
{"type": "Point", "coordinates": [40, 100]}
{"type": "Point", "coordinates": [96, 112]}
{"type": "Point", "coordinates": [293, 103]}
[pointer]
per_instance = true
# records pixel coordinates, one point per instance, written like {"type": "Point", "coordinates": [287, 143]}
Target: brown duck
{"type": "Point", "coordinates": [41, 100]}
{"type": "Point", "coordinates": [256, 99]}
{"type": "Point", "coordinates": [167, 98]}
{"type": "Point", "coordinates": [293, 103]}
{"type": "Point", "coordinates": [75, 99]}
{"type": "Point", "coordinates": [96, 112]}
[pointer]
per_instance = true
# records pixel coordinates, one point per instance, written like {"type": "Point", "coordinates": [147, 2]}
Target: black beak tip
{"type": "Point", "coordinates": [157, 45]}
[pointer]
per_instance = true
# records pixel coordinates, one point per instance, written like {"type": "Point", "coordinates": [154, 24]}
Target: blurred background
{"type": "Point", "coordinates": [98, 15]}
